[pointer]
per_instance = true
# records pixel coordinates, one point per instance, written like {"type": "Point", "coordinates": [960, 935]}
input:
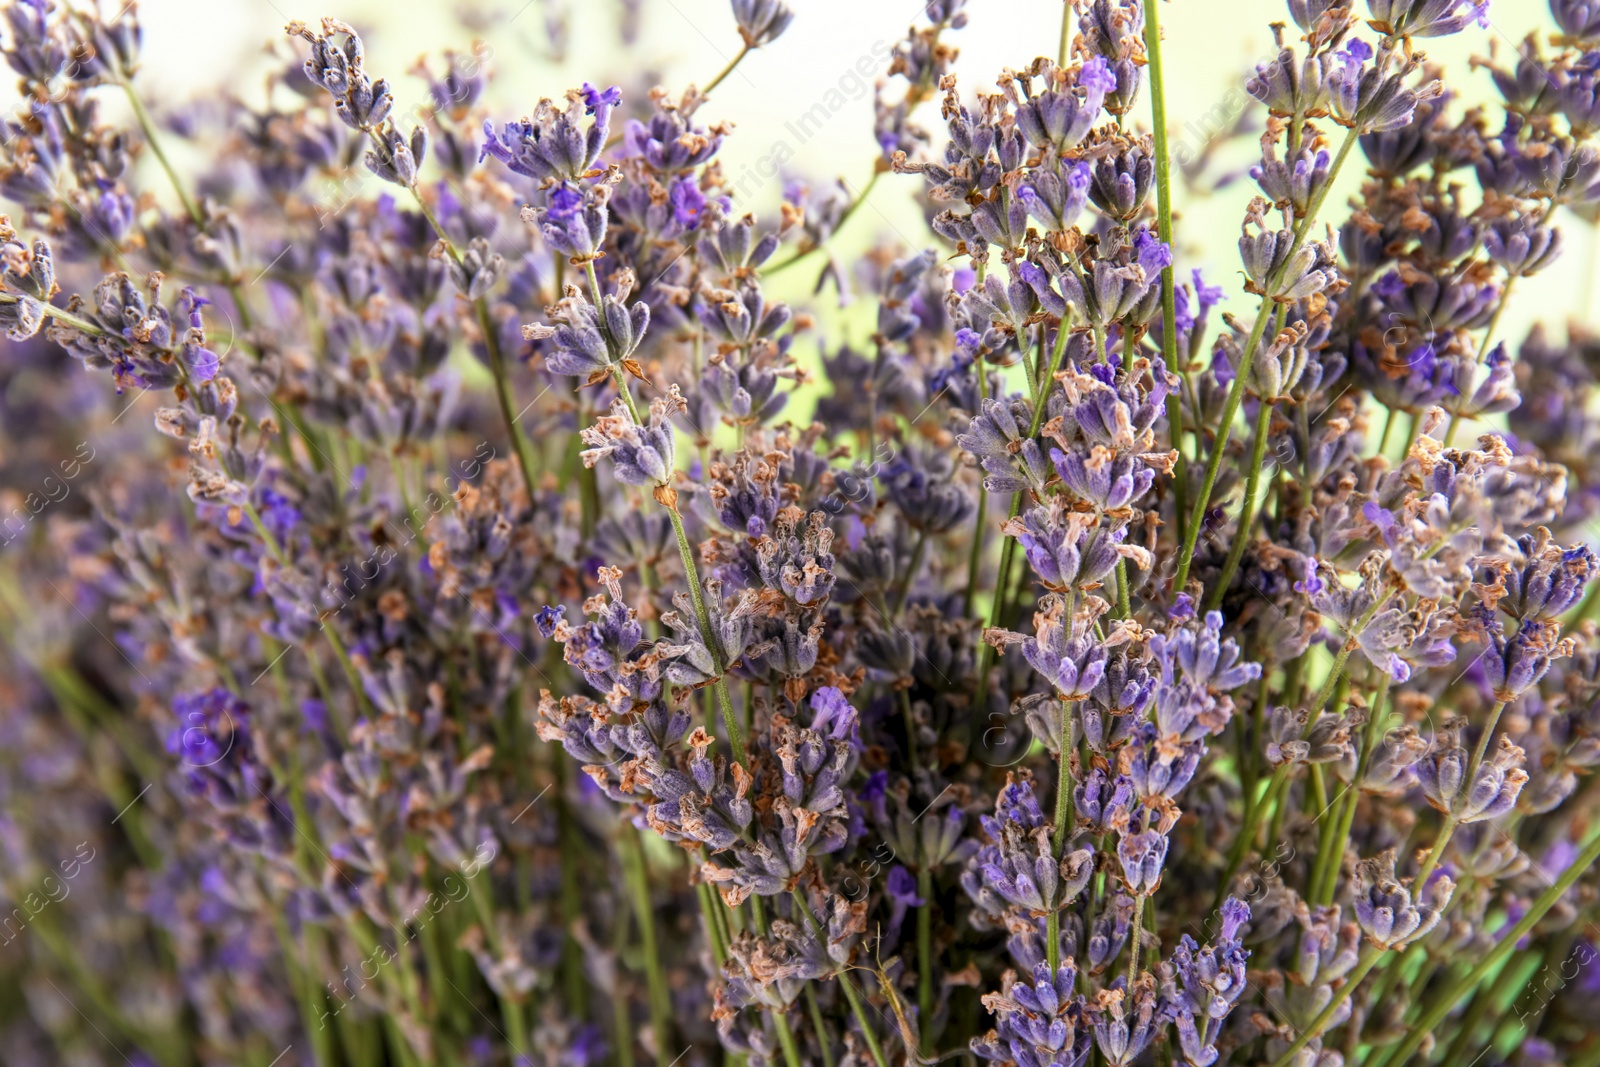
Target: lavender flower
{"type": "Point", "coordinates": [553, 143]}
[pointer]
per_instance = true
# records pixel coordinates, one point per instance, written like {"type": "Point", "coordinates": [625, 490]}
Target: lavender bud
{"type": "Point", "coordinates": [1288, 87]}
{"type": "Point", "coordinates": [1427, 18]}
{"type": "Point", "coordinates": [336, 66]}
{"type": "Point", "coordinates": [1577, 18]}
{"type": "Point", "coordinates": [395, 159]}
{"type": "Point", "coordinates": [641, 455]}
{"type": "Point", "coordinates": [1122, 182]}
{"type": "Point", "coordinates": [478, 269]}
{"type": "Point", "coordinates": [761, 21]}
{"type": "Point", "coordinates": [1522, 245]}
{"type": "Point", "coordinates": [1293, 184]}
{"type": "Point", "coordinates": [1373, 98]}
{"type": "Point", "coordinates": [1388, 914]}
{"type": "Point", "coordinates": [552, 145]}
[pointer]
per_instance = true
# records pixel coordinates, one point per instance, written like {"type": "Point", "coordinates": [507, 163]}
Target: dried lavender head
{"type": "Point", "coordinates": [1389, 914]}
{"type": "Point", "coordinates": [554, 144]}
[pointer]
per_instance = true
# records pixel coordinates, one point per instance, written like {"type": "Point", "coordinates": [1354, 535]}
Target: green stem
{"type": "Point", "coordinates": [1485, 1006]}
{"type": "Point", "coordinates": [1389, 974]}
{"type": "Point", "coordinates": [1058, 837]}
{"type": "Point", "coordinates": [1136, 938]}
{"type": "Point", "coordinates": [1336, 672]}
{"type": "Point", "coordinates": [819, 1025]}
{"type": "Point", "coordinates": [1252, 822]}
{"type": "Point", "coordinates": [637, 876]}
{"type": "Point", "coordinates": [502, 392]}
{"type": "Point", "coordinates": [697, 598]}
{"type": "Point", "coordinates": [621, 1016]}
{"type": "Point", "coordinates": [1330, 861]}
{"type": "Point", "coordinates": [1169, 316]}
{"type": "Point", "coordinates": [925, 953]}
{"type": "Point", "coordinates": [271, 542]}
{"type": "Point", "coordinates": [1441, 1005]}
{"type": "Point", "coordinates": [1219, 448]}
{"type": "Point", "coordinates": [1180, 471]}
{"type": "Point", "coordinates": [1247, 508]}
{"type": "Point", "coordinates": [725, 71]}
{"type": "Point", "coordinates": [1370, 955]}
{"type": "Point", "coordinates": [148, 126]}
{"type": "Point", "coordinates": [66, 318]}
{"type": "Point", "coordinates": [714, 931]}
{"type": "Point", "coordinates": [570, 900]}
{"type": "Point", "coordinates": [975, 554]}
{"type": "Point", "coordinates": [903, 589]}
{"type": "Point", "coordinates": [1388, 424]}
{"type": "Point", "coordinates": [791, 1051]}
{"type": "Point", "coordinates": [911, 730]}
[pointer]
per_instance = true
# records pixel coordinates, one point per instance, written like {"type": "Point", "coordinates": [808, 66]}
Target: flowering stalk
{"type": "Point", "coordinates": [1008, 549]}
{"type": "Point", "coordinates": [851, 992]}
{"type": "Point", "coordinates": [491, 336]}
{"type": "Point", "coordinates": [805, 253]}
{"type": "Point", "coordinates": [975, 552]}
{"type": "Point", "coordinates": [1230, 407]}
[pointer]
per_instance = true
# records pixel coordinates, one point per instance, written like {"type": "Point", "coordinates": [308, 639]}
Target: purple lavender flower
{"type": "Point", "coordinates": [337, 66]}
{"type": "Point", "coordinates": [1391, 916]}
{"type": "Point", "coordinates": [1063, 652]}
{"type": "Point", "coordinates": [1427, 18]}
{"type": "Point", "coordinates": [761, 21]}
{"type": "Point", "coordinates": [1493, 790]}
{"type": "Point", "coordinates": [553, 144]}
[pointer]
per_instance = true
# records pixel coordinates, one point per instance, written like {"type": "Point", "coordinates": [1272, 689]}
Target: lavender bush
{"type": "Point", "coordinates": [489, 661]}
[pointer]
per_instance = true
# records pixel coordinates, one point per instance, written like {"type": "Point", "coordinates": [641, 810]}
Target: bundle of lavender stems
{"type": "Point", "coordinates": [466, 618]}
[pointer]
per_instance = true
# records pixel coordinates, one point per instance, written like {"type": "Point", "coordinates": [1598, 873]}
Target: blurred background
{"type": "Point", "coordinates": [539, 48]}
